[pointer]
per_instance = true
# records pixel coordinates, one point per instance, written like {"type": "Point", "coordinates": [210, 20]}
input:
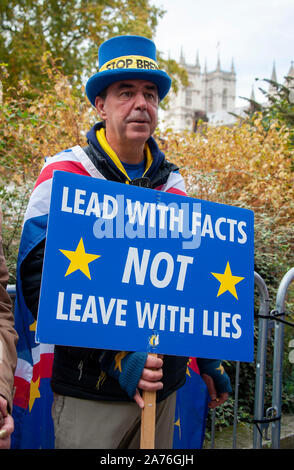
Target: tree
{"type": "Point", "coordinates": [280, 102]}
{"type": "Point", "coordinates": [30, 130]}
{"type": "Point", "coordinates": [69, 31]}
{"type": "Point", "coordinates": [278, 107]}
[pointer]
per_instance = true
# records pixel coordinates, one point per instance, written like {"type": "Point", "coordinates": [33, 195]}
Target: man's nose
{"type": "Point", "coordinates": [140, 101]}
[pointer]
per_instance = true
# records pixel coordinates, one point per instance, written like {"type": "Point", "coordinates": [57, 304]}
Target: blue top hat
{"type": "Point", "coordinates": [127, 58]}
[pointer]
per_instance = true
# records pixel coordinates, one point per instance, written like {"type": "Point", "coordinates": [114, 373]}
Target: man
{"type": "Point", "coordinates": [97, 399]}
{"type": "Point", "coordinates": [8, 340]}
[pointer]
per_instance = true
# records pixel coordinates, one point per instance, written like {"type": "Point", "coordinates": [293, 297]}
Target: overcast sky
{"type": "Point", "coordinates": [254, 33]}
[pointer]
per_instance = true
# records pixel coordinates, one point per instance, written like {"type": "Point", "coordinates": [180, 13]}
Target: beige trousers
{"type": "Point", "coordinates": [88, 424]}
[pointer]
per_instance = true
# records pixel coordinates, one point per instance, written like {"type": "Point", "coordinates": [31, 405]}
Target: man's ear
{"type": "Point", "coordinates": [99, 105]}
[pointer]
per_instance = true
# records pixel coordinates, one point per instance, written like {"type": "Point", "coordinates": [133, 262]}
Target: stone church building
{"type": "Point", "coordinates": [209, 93]}
{"type": "Point", "coordinates": [211, 96]}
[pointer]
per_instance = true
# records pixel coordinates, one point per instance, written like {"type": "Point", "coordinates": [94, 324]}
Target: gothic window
{"type": "Point", "coordinates": [210, 100]}
{"type": "Point", "coordinates": [188, 97]}
{"type": "Point", "coordinates": [225, 99]}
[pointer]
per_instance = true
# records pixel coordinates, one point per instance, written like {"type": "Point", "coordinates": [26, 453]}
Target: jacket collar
{"type": "Point", "coordinates": [154, 156]}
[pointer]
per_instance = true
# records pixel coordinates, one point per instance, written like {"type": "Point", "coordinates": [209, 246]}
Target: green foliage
{"type": "Point", "coordinates": [69, 32]}
{"type": "Point", "coordinates": [30, 130]}
{"type": "Point", "coordinates": [288, 393]}
{"type": "Point", "coordinates": [278, 106]}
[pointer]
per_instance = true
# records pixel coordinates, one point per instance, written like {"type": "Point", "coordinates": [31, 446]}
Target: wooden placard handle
{"type": "Point", "coordinates": [148, 420]}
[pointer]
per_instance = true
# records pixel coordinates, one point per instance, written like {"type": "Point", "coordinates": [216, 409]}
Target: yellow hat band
{"type": "Point", "coordinates": [130, 62]}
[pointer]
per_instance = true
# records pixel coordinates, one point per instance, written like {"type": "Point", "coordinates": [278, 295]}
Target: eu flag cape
{"type": "Point", "coordinates": [191, 410]}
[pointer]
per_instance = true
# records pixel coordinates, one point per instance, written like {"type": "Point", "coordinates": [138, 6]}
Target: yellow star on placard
{"type": "Point", "coordinates": [79, 259]}
{"type": "Point", "coordinates": [228, 281]}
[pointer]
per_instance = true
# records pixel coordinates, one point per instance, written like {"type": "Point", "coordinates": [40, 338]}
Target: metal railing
{"type": "Point", "coordinates": [266, 320]}
{"type": "Point", "coordinates": [260, 361]}
{"type": "Point", "coordinates": [278, 357]}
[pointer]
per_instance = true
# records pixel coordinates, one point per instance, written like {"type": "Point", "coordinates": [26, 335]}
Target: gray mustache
{"type": "Point", "coordinates": [142, 117]}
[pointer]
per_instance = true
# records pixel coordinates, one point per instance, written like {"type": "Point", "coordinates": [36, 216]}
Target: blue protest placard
{"type": "Point", "coordinates": [137, 269]}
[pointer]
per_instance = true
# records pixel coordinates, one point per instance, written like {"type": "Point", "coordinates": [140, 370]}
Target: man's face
{"type": "Point", "coordinates": [130, 111]}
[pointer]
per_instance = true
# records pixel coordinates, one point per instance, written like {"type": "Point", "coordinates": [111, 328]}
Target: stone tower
{"type": "Point", "coordinates": [272, 90]}
{"type": "Point", "coordinates": [207, 93]}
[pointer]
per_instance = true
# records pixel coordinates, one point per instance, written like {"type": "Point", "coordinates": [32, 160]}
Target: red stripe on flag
{"type": "Point", "coordinates": [172, 190]}
{"type": "Point", "coordinates": [43, 368]}
{"type": "Point", "coordinates": [176, 191]}
{"type": "Point", "coordinates": [70, 167]}
{"type": "Point", "coordinates": [193, 365]}
{"type": "Point", "coordinates": [22, 392]}
{"type": "Point", "coordinates": [46, 362]}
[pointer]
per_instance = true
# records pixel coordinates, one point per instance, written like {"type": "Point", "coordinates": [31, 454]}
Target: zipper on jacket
{"type": "Point", "coordinates": [80, 367]}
